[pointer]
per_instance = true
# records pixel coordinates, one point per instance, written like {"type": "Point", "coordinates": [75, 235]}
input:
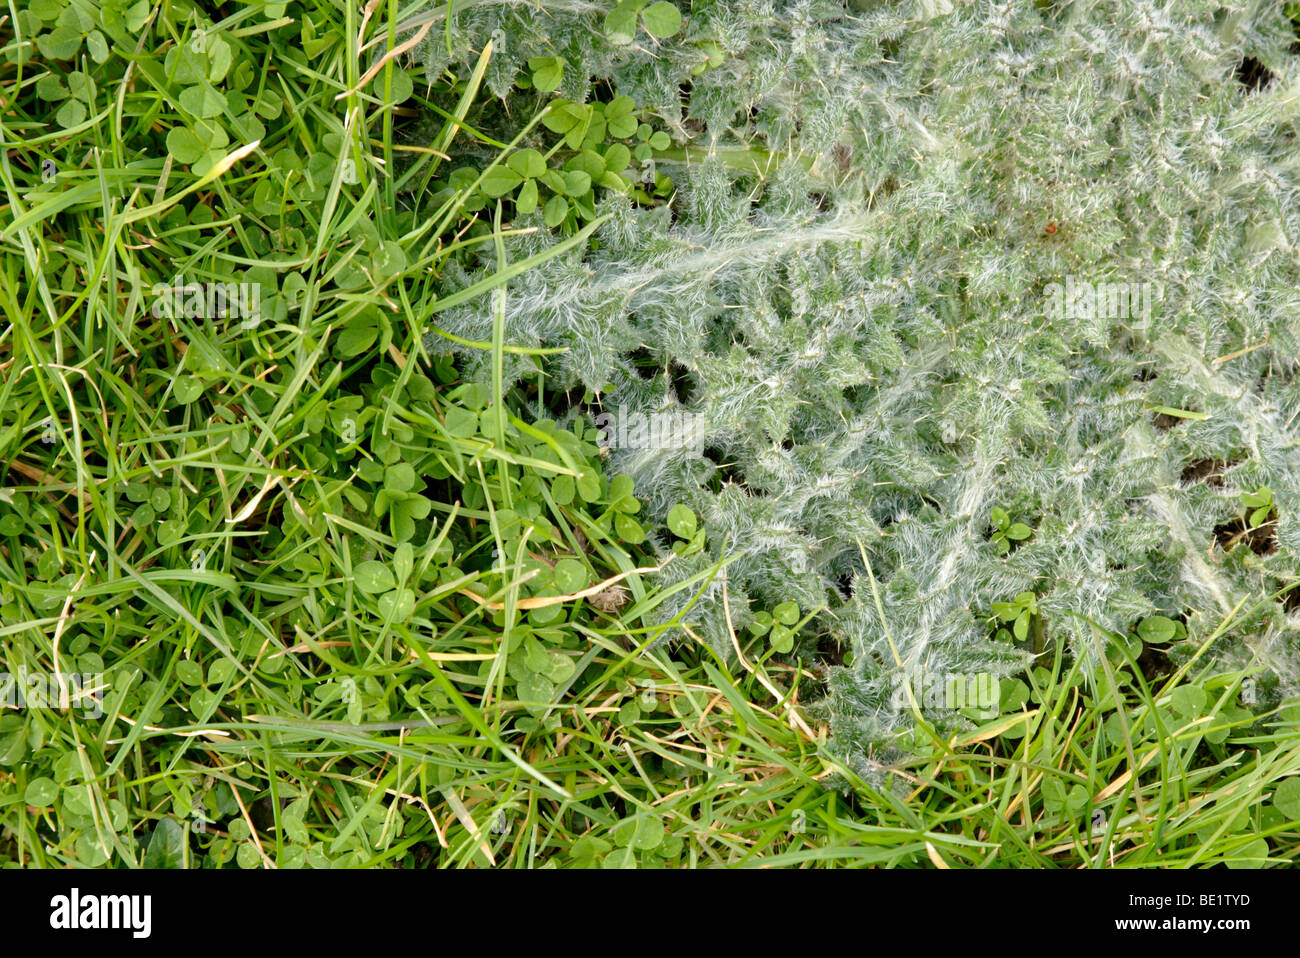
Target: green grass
{"type": "Point", "coordinates": [313, 567]}
{"type": "Point", "coordinates": [280, 545]}
{"type": "Point", "coordinates": [1134, 773]}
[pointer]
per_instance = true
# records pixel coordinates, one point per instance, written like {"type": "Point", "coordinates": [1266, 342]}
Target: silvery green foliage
{"type": "Point", "coordinates": [868, 331]}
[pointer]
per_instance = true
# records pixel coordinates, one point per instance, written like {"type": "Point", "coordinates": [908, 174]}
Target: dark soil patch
{"type": "Point", "coordinates": [644, 362]}
{"type": "Point", "coordinates": [1209, 471]}
{"type": "Point", "coordinates": [262, 812]}
{"type": "Point", "coordinates": [1254, 74]}
{"type": "Point", "coordinates": [1291, 601]}
{"type": "Point", "coordinates": [830, 651]}
{"type": "Point", "coordinates": [844, 585]}
{"type": "Point", "coordinates": [1262, 539]}
{"type": "Point", "coordinates": [1288, 593]}
{"type": "Point", "coordinates": [683, 381]}
{"type": "Point", "coordinates": [1154, 663]}
{"type": "Point", "coordinates": [726, 471]}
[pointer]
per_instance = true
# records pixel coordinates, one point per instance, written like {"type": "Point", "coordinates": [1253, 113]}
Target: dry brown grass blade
{"type": "Point", "coordinates": [542, 601]}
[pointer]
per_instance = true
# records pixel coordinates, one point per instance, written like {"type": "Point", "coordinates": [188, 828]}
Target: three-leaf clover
{"type": "Point", "coordinates": [1287, 799]}
{"type": "Point", "coordinates": [547, 72]}
{"type": "Point", "coordinates": [1260, 504]}
{"type": "Point", "coordinates": [1005, 531]}
{"type": "Point", "coordinates": [780, 627]}
{"type": "Point", "coordinates": [520, 171]}
{"type": "Point", "coordinates": [1158, 629]}
{"type": "Point", "coordinates": [583, 128]}
{"type": "Point", "coordinates": [1018, 611]}
{"type": "Point", "coordinates": [620, 117]}
{"type": "Point", "coordinates": [660, 19]}
{"type": "Point", "coordinates": [682, 523]}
